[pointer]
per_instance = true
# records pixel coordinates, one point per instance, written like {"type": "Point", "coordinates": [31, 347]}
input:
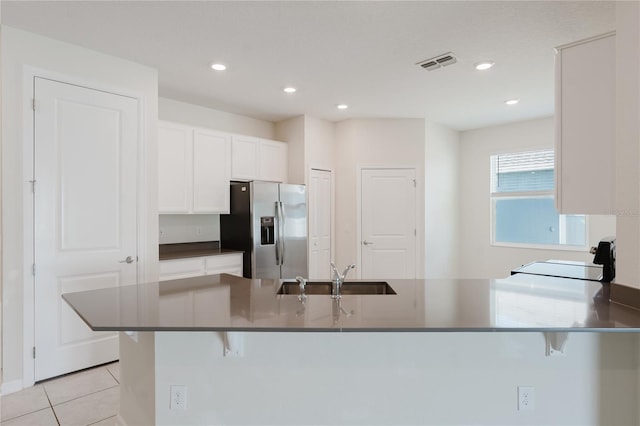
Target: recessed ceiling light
{"type": "Point", "coordinates": [290, 90]}
{"type": "Point", "coordinates": [481, 66]}
{"type": "Point", "coordinates": [218, 67]}
{"type": "Point", "coordinates": [342, 106]}
{"type": "Point", "coordinates": [512, 101]}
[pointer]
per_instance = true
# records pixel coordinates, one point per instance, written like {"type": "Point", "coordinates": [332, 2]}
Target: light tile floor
{"type": "Point", "coordinates": [89, 397]}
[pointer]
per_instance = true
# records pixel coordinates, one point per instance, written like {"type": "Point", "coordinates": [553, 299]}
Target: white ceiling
{"type": "Point", "coordinates": [360, 53]}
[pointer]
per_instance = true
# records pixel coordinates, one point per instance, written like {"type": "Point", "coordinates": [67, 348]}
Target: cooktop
{"type": "Point", "coordinates": [562, 269]}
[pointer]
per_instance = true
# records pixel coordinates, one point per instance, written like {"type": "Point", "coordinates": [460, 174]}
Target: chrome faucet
{"type": "Point", "coordinates": [302, 283]}
{"type": "Point", "coordinates": [338, 279]}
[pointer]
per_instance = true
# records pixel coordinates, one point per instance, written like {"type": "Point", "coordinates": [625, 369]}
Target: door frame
{"type": "Point", "coordinates": [28, 154]}
{"type": "Point", "coordinates": [332, 212]}
{"type": "Point", "coordinates": [418, 213]}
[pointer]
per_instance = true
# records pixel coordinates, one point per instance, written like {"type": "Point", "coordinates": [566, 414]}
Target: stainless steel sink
{"type": "Point", "coordinates": [349, 287]}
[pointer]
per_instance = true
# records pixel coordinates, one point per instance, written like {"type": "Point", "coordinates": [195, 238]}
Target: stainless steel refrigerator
{"type": "Point", "coordinates": [268, 221]}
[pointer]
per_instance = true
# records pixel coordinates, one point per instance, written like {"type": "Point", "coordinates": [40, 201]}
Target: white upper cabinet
{"type": "Point", "coordinates": [258, 159]}
{"type": "Point", "coordinates": [211, 171]}
{"type": "Point", "coordinates": [194, 169]}
{"type": "Point", "coordinates": [174, 168]}
{"type": "Point", "coordinates": [273, 161]}
{"type": "Point", "coordinates": [585, 126]}
{"type": "Point", "coordinates": [245, 152]}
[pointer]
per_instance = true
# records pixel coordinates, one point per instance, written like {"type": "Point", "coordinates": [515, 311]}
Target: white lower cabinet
{"type": "Point", "coordinates": [223, 264]}
{"type": "Point", "coordinates": [196, 266]}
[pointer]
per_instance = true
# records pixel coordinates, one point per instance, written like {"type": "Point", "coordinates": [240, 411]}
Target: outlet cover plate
{"type": "Point", "coordinates": [526, 398]}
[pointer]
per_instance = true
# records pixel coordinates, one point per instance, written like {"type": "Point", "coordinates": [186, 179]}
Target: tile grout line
{"type": "Point", "coordinates": [112, 375]}
{"type": "Point", "coordinates": [30, 412]}
{"type": "Point", "coordinates": [87, 394]}
{"type": "Point", "coordinates": [51, 405]}
{"type": "Point", "coordinates": [106, 418]}
{"type": "Point", "coordinates": [92, 393]}
{"type": "Point", "coordinates": [27, 414]}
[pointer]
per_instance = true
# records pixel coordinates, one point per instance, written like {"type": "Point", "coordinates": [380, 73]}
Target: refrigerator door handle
{"type": "Point", "coordinates": [280, 211]}
{"type": "Point", "coordinates": [277, 233]}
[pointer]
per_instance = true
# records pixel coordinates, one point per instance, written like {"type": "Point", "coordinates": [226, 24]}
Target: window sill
{"type": "Point", "coordinates": [542, 247]}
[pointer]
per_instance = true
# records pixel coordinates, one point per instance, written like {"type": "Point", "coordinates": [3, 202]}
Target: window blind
{"type": "Point", "coordinates": [523, 171]}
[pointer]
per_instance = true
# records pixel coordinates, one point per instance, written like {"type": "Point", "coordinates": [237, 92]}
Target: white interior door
{"type": "Point", "coordinates": [85, 216]}
{"type": "Point", "coordinates": [388, 223]}
{"type": "Point", "coordinates": [319, 224]}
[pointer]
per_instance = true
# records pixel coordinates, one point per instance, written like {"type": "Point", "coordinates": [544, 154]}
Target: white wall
{"type": "Point", "coordinates": [441, 202]}
{"type": "Point", "coordinates": [311, 145]}
{"type": "Point", "coordinates": [478, 258]}
{"type": "Point", "coordinates": [320, 142]}
{"type": "Point", "coordinates": [195, 115]}
{"type": "Point", "coordinates": [20, 49]}
{"type": "Point", "coordinates": [366, 143]}
{"type": "Point", "coordinates": [1, 238]}
{"type": "Point", "coordinates": [394, 378]}
{"type": "Point", "coordinates": [188, 228]}
{"type": "Point", "coordinates": [291, 131]}
{"type": "Point", "coordinates": [628, 143]}
{"type": "Point", "coordinates": [137, 379]}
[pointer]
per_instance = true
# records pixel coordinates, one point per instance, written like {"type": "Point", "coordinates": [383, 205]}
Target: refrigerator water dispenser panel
{"type": "Point", "coordinates": [267, 230]}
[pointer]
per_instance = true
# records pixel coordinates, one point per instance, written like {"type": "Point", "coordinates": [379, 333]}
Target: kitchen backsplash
{"type": "Point", "coordinates": [183, 228]}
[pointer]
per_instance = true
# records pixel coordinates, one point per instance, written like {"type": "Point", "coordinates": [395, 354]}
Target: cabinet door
{"type": "Point", "coordinates": [181, 268]}
{"type": "Point", "coordinates": [211, 171]}
{"type": "Point", "coordinates": [227, 264]}
{"type": "Point", "coordinates": [174, 168]}
{"type": "Point", "coordinates": [273, 164]}
{"type": "Point", "coordinates": [244, 158]}
{"type": "Point", "coordinates": [585, 114]}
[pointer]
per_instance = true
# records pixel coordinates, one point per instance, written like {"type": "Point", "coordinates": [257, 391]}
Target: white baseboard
{"type": "Point", "coordinates": [120, 421]}
{"type": "Point", "coordinates": [11, 387]}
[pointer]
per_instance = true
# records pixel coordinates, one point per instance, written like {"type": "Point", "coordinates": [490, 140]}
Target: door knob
{"type": "Point", "coordinates": [129, 259]}
{"type": "Point", "coordinates": [367, 243]}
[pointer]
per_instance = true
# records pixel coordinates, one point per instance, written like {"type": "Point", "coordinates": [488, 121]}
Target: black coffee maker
{"type": "Point", "coordinates": [605, 255]}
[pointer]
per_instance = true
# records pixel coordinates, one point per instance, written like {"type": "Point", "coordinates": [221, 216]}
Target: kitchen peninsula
{"type": "Point", "coordinates": [248, 355]}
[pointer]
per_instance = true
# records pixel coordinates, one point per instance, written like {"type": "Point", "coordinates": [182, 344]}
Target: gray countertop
{"type": "Point", "coordinates": [230, 303]}
{"type": "Point", "coordinates": [187, 250]}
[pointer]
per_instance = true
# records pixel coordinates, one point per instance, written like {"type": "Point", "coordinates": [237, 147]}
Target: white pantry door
{"type": "Point", "coordinates": [388, 223]}
{"type": "Point", "coordinates": [320, 224]}
{"type": "Point", "coordinates": [85, 216]}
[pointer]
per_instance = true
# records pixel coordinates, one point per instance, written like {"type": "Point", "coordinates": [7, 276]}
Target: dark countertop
{"type": "Point", "coordinates": [186, 250]}
{"type": "Point", "coordinates": [229, 303]}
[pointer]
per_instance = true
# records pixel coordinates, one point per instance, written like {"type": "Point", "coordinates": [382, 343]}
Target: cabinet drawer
{"type": "Point", "coordinates": [181, 268]}
{"type": "Point", "coordinates": [227, 263]}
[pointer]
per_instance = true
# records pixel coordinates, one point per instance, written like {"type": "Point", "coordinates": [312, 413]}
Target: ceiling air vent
{"type": "Point", "coordinates": [438, 61]}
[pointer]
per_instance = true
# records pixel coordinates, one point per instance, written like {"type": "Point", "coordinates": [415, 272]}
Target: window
{"type": "Point", "coordinates": [523, 206]}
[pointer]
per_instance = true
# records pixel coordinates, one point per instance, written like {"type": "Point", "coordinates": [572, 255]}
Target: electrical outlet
{"type": "Point", "coordinates": [526, 398]}
{"type": "Point", "coordinates": [178, 397]}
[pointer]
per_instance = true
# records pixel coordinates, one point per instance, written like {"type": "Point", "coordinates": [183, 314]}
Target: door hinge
{"type": "Point", "coordinates": [33, 269]}
{"type": "Point", "coordinates": [34, 352]}
{"type": "Point", "coordinates": [415, 233]}
{"type": "Point", "coordinates": [33, 104]}
{"type": "Point", "coordinates": [33, 185]}
{"type": "Point", "coordinates": [414, 183]}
